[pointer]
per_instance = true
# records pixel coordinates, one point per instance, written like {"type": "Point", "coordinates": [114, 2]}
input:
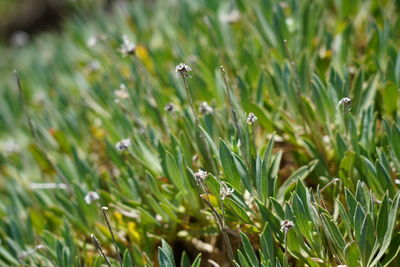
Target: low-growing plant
{"type": "Point", "coordinates": [275, 143]}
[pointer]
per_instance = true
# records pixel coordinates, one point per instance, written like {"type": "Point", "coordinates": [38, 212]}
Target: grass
{"type": "Point", "coordinates": [315, 182]}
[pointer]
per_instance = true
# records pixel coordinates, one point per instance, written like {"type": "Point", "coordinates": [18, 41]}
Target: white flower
{"type": "Point", "coordinates": [397, 181]}
{"type": "Point", "coordinates": [19, 38]}
{"type": "Point", "coordinates": [11, 146]}
{"type": "Point", "coordinates": [231, 17]}
{"type": "Point", "coordinates": [92, 41]}
{"type": "Point", "coordinates": [170, 107]}
{"type": "Point", "coordinates": [127, 47]}
{"type": "Point", "coordinates": [225, 191]}
{"type": "Point", "coordinates": [93, 66]}
{"type": "Point", "coordinates": [345, 103]}
{"type": "Point", "coordinates": [122, 93]}
{"type": "Point", "coordinates": [205, 109]}
{"type": "Point", "coordinates": [251, 118]}
{"type": "Point", "coordinates": [200, 176]}
{"type": "Point", "coordinates": [91, 196]}
{"type": "Point", "coordinates": [342, 265]}
{"type": "Point", "coordinates": [123, 144]}
{"type": "Point", "coordinates": [182, 70]}
{"type": "Point", "coordinates": [286, 225]}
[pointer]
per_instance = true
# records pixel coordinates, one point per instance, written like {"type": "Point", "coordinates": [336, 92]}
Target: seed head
{"type": "Point", "coordinates": [286, 225]}
{"type": "Point", "coordinates": [170, 107]}
{"type": "Point", "coordinates": [200, 176]}
{"type": "Point", "coordinates": [225, 191]}
{"type": "Point", "coordinates": [345, 103]}
{"type": "Point", "coordinates": [182, 70]}
{"type": "Point", "coordinates": [91, 196]}
{"type": "Point", "coordinates": [123, 144]}
{"type": "Point", "coordinates": [251, 118]}
{"type": "Point", "coordinates": [127, 47]}
{"type": "Point", "coordinates": [205, 109]}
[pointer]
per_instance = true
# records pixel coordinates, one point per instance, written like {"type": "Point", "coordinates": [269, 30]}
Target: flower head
{"type": "Point", "coordinates": [345, 103]}
{"type": "Point", "coordinates": [127, 47]}
{"type": "Point", "coordinates": [122, 92]}
{"type": "Point", "coordinates": [123, 144]}
{"type": "Point", "coordinates": [200, 176]}
{"type": "Point", "coordinates": [286, 225]}
{"type": "Point", "coordinates": [342, 265]}
{"type": "Point", "coordinates": [91, 196]}
{"type": "Point", "coordinates": [225, 191]}
{"type": "Point", "coordinates": [170, 107]}
{"type": "Point", "coordinates": [205, 109]}
{"type": "Point", "coordinates": [182, 70]}
{"type": "Point", "coordinates": [251, 118]}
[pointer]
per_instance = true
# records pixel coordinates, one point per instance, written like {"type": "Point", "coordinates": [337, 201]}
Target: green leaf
{"type": "Point", "coordinates": [299, 174]}
{"type": "Point", "coordinates": [248, 249]}
{"type": "Point", "coordinates": [367, 239]}
{"type": "Point", "coordinates": [197, 261]}
{"type": "Point", "coordinates": [185, 261]}
{"type": "Point", "coordinates": [390, 226]}
{"type": "Point", "coordinates": [165, 255]}
{"type": "Point", "coordinates": [333, 233]}
{"type": "Point", "coordinates": [127, 259]}
{"type": "Point", "coordinates": [352, 254]}
{"type": "Point", "coordinates": [267, 244]}
{"type": "Point", "coordinates": [237, 209]}
{"type": "Point", "coordinates": [232, 175]}
{"type": "Point", "coordinates": [174, 173]}
{"type": "Point", "coordinates": [242, 260]}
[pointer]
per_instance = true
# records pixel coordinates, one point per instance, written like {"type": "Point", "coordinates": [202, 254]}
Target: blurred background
{"type": "Point", "coordinates": [22, 19]}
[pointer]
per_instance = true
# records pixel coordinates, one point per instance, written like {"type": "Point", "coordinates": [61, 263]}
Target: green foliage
{"type": "Point", "coordinates": [332, 170]}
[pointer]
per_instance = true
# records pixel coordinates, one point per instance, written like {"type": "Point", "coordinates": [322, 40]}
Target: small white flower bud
{"type": "Point", "coordinates": [182, 70]}
{"type": "Point", "coordinates": [251, 118]}
{"type": "Point", "coordinates": [286, 225]}
{"type": "Point", "coordinates": [91, 196]}
{"type": "Point", "coordinates": [123, 144]}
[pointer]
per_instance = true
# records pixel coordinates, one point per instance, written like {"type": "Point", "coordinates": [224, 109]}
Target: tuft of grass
{"type": "Point", "coordinates": [299, 137]}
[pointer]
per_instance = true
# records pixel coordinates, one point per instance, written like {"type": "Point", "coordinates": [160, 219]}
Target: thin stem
{"type": "Point", "coordinates": [285, 256]}
{"type": "Point", "coordinates": [234, 115]}
{"type": "Point", "coordinates": [99, 249]}
{"type": "Point", "coordinates": [190, 100]}
{"type": "Point", "coordinates": [228, 92]}
{"type": "Point", "coordinates": [220, 222]}
{"type": "Point", "coordinates": [35, 134]}
{"type": "Point", "coordinates": [253, 140]}
{"type": "Point", "coordinates": [103, 209]}
{"type": "Point", "coordinates": [198, 126]}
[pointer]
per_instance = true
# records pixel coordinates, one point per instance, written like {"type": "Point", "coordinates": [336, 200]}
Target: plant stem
{"type": "Point", "coordinates": [198, 126]}
{"type": "Point", "coordinates": [220, 222]}
{"type": "Point", "coordinates": [234, 115]}
{"type": "Point", "coordinates": [103, 209]}
{"type": "Point", "coordinates": [100, 250]}
{"type": "Point", "coordinates": [285, 256]}
{"type": "Point", "coordinates": [190, 101]}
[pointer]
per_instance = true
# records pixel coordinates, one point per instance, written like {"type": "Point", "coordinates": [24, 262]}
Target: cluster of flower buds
{"type": "Point", "coordinates": [286, 225]}
{"type": "Point", "coordinates": [123, 144]}
{"type": "Point", "coordinates": [251, 118]}
{"type": "Point", "coordinates": [182, 70]}
{"type": "Point", "coordinates": [345, 103]}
